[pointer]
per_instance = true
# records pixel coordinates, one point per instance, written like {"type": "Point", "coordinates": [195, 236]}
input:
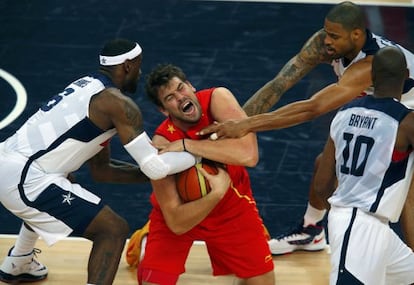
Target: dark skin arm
{"type": "Point", "coordinates": [312, 54]}
{"type": "Point", "coordinates": [356, 79]}
{"type": "Point", "coordinates": [107, 110]}
{"type": "Point", "coordinates": [107, 170]}
{"type": "Point", "coordinates": [325, 177]}
{"type": "Point", "coordinates": [407, 215]}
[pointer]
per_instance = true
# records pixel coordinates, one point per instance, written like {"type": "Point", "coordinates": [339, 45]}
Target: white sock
{"type": "Point", "coordinates": [25, 242]}
{"type": "Point", "coordinates": [143, 244]}
{"type": "Point", "coordinates": [312, 216]}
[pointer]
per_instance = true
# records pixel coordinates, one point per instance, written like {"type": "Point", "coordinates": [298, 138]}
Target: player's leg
{"type": "Point", "coordinates": [309, 233]}
{"type": "Point", "coordinates": [165, 254]}
{"type": "Point", "coordinates": [400, 261]}
{"type": "Point", "coordinates": [238, 246]}
{"type": "Point", "coordinates": [108, 232]}
{"type": "Point", "coordinates": [407, 217]}
{"type": "Point", "coordinates": [360, 246]}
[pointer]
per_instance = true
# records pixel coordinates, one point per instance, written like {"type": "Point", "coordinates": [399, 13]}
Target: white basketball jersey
{"type": "Point", "coordinates": [364, 132]}
{"type": "Point", "coordinates": [372, 45]}
{"type": "Point", "coordinates": [60, 137]}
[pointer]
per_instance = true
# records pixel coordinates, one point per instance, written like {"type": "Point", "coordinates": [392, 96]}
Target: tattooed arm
{"type": "Point", "coordinates": [311, 54]}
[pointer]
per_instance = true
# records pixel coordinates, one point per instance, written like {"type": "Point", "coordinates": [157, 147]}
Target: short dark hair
{"type": "Point", "coordinates": [388, 66]}
{"type": "Point", "coordinates": [117, 47]}
{"type": "Point", "coordinates": [159, 77]}
{"type": "Point", "coordinates": [348, 14]}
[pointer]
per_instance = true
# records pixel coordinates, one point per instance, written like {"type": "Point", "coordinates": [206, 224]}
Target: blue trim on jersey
{"type": "Point", "coordinates": [395, 172]}
{"type": "Point", "coordinates": [388, 106]}
{"type": "Point", "coordinates": [371, 46]}
{"type": "Point", "coordinates": [84, 131]}
{"type": "Point", "coordinates": [408, 85]}
{"type": "Point", "coordinates": [106, 81]}
{"type": "Point", "coordinates": [67, 207]}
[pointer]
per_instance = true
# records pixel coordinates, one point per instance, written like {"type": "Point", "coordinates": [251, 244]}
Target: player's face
{"type": "Point", "coordinates": [339, 42]}
{"type": "Point", "coordinates": [133, 75]}
{"type": "Point", "coordinates": [179, 101]}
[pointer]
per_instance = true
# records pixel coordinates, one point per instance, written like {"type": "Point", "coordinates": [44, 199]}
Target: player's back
{"type": "Point", "coordinates": [369, 177]}
{"type": "Point", "coordinates": [60, 137]}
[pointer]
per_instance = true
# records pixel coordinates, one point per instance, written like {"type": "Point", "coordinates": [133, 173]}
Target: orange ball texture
{"type": "Point", "coordinates": [191, 184]}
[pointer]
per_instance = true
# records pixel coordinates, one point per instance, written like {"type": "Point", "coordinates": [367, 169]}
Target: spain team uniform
{"type": "Point", "coordinates": [373, 182]}
{"type": "Point", "coordinates": [54, 142]}
{"type": "Point", "coordinates": [233, 231]}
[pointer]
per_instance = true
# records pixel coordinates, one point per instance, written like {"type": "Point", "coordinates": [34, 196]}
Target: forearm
{"type": "Point", "coordinates": [279, 119]}
{"type": "Point", "coordinates": [267, 96]}
{"type": "Point", "coordinates": [154, 165]}
{"type": "Point", "coordinates": [242, 151]}
{"type": "Point", "coordinates": [117, 171]}
{"type": "Point", "coordinates": [187, 215]}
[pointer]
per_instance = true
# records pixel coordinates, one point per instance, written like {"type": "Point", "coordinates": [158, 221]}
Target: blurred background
{"type": "Point", "coordinates": [240, 45]}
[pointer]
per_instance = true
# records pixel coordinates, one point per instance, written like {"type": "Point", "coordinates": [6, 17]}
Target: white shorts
{"type": "Point", "coordinates": [365, 250]}
{"type": "Point", "coordinates": [49, 203]}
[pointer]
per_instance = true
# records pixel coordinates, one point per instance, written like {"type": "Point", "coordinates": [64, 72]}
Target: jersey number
{"type": "Point", "coordinates": [362, 147]}
{"type": "Point", "coordinates": [56, 99]}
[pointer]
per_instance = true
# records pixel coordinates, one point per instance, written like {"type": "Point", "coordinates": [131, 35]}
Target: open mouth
{"type": "Point", "coordinates": [330, 50]}
{"type": "Point", "coordinates": [187, 107]}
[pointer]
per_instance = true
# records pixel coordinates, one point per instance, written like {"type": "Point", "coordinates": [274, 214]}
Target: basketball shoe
{"type": "Point", "coordinates": [309, 238]}
{"type": "Point", "coordinates": [22, 268]}
{"type": "Point", "coordinates": [136, 246]}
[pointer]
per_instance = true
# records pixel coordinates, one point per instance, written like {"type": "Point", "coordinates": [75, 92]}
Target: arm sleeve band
{"type": "Point", "coordinates": [157, 166]}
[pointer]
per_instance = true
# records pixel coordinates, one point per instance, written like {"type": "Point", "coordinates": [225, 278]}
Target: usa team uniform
{"type": "Point", "coordinates": [373, 182]}
{"type": "Point", "coordinates": [342, 217]}
{"type": "Point", "coordinates": [37, 159]}
{"type": "Point", "coordinates": [233, 230]}
{"type": "Point", "coordinates": [372, 45]}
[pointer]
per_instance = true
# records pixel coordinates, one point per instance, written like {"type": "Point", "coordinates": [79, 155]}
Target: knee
{"type": "Point", "coordinates": [119, 228]}
{"type": "Point", "coordinates": [108, 224]}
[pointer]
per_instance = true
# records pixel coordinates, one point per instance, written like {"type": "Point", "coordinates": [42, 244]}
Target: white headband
{"type": "Point", "coordinates": [118, 59]}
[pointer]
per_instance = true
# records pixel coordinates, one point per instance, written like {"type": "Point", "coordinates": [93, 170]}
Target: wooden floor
{"type": "Point", "coordinates": [67, 262]}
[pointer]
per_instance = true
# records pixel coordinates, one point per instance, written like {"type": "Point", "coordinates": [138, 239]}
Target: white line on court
{"type": "Point", "coordinates": [21, 98]}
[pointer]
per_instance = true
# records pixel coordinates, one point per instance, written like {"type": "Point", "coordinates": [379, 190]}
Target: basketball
{"type": "Point", "coordinates": [191, 184]}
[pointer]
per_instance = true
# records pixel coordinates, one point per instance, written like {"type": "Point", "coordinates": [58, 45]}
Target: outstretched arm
{"type": "Point", "coordinates": [311, 54]}
{"type": "Point", "coordinates": [354, 81]}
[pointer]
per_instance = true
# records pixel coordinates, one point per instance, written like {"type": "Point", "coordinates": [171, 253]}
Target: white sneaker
{"type": "Point", "coordinates": [310, 238]}
{"type": "Point", "coordinates": [23, 268]}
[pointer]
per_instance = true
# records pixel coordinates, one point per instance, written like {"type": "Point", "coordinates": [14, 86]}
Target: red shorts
{"type": "Point", "coordinates": [233, 234]}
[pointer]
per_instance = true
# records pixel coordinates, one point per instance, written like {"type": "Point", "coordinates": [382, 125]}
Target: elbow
{"type": "Point", "coordinates": [250, 153]}
{"type": "Point", "coordinates": [251, 160]}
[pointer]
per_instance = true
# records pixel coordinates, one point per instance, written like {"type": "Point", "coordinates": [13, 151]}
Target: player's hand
{"type": "Point", "coordinates": [227, 129]}
{"type": "Point", "coordinates": [219, 182]}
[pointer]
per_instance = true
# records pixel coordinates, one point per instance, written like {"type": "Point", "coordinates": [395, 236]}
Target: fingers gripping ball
{"type": "Point", "coordinates": [191, 184]}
